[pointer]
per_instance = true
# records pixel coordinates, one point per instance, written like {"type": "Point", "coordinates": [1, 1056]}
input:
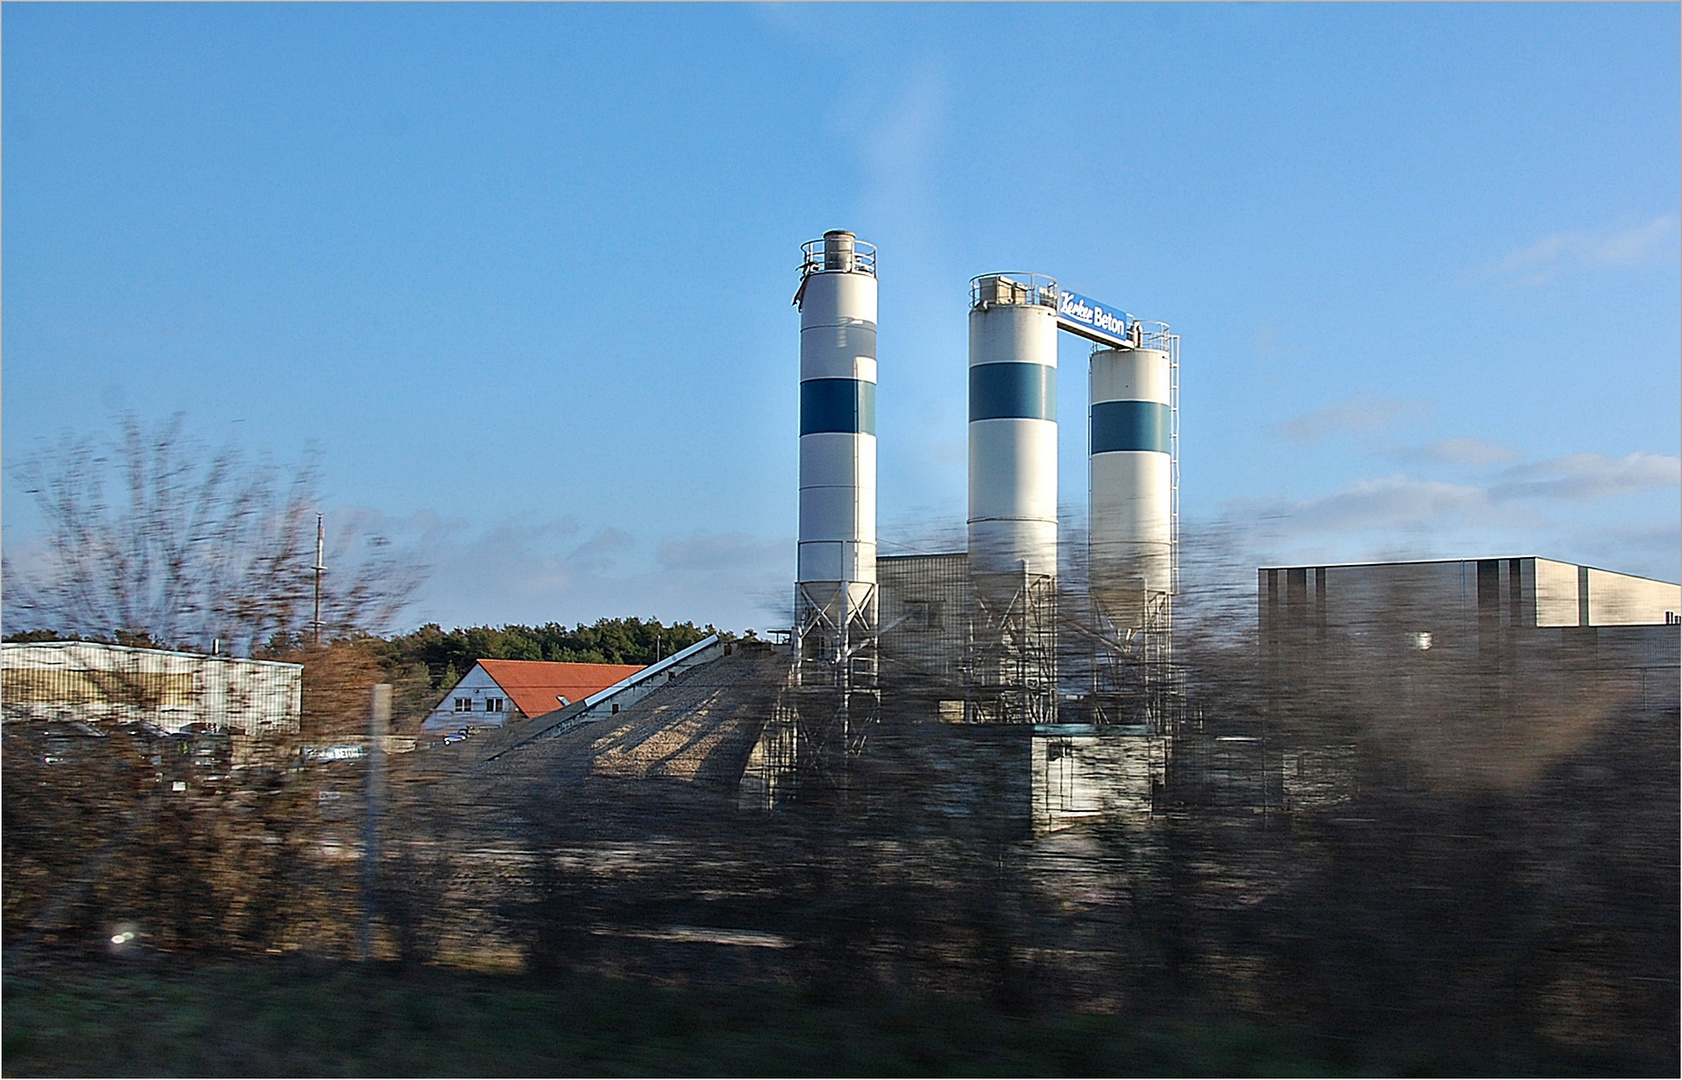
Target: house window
{"type": "Point", "coordinates": [493, 704]}
{"type": "Point", "coordinates": [464, 704]}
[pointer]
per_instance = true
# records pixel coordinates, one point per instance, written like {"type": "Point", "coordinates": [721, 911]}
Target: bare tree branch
{"type": "Point", "coordinates": [201, 546]}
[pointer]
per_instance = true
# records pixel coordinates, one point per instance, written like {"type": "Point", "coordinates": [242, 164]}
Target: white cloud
{"type": "Point", "coordinates": [1382, 502]}
{"type": "Point", "coordinates": [1650, 550]}
{"type": "Point", "coordinates": [1537, 507]}
{"type": "Point", "coordinates": [896, 126]}
{"type": "Point", "coordinates": [902, 145]}
{"type": "Point", "coordinates": [798, 21]}
{"type": "Point", "coordinates": [1359, 415]}
{"type": "Point", "coordinates": [1542, 261]}
{"type": "Point", "coordinates": [557, 571]}
{"type": "Point", "coordinates": [599, 553]}
{"type": "Point", "coordinates": [1465, 450]}
{"type": "Point", "coordinates": [1581, 477]}
{"type": "Point", "coordinates": [712, 552]}
{"type": "Point", "coordinates": [1402, 501]}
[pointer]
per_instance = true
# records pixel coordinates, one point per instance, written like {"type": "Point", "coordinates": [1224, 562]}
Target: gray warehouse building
{"type": "Point", "coordinates": [1471, 668]}
{"type": "Point", "coordinates": [1454, 595]}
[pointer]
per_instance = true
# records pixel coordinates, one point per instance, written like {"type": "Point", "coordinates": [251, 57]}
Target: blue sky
{"type": "Point", "coordinates": [522, 273]}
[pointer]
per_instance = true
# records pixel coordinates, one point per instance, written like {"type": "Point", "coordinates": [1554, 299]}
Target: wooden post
{"type": "Point", "coordinates": [379, 720]}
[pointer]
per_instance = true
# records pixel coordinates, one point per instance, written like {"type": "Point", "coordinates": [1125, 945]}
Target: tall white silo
{"type": "Point", "coordinates": [835, 594]}
{"type": "Point", "coordinates": [1132, 484]}
{"type": "Point", "coordinates": [1012, 432]}
{"type": "Point", "coordinates": [1012, 661]}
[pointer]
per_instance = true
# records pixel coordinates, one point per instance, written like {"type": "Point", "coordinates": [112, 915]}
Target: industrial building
{"type": "Point", "coordinates": [983, 626]}
{"type": "Point", "coordinates": [979, 631]}
{"type": "Point", "coordinates": [1453, 597]}
{"type": "Point", "coordinates": [1505, 626]}
{"type": "Point", "coordinates": [91, 682]}
{"type": "Point", "coordinates": [1498, 657]}
{"type": "Point", "coordinates": [1473, 672]}
{"type": "Point", "coordinates": [1509, 625]}
{"type": "Point", "coordinates": [227, 710]}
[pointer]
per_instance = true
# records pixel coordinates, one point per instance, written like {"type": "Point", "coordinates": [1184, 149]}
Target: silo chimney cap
{"type": "Point", "coordinates": [839, 252]}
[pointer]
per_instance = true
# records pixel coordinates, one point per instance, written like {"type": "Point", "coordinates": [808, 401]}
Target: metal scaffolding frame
{"type": "Point", "coordinates": [835, 649]}
{"type": "Point", "coordinates": [1010, 665]}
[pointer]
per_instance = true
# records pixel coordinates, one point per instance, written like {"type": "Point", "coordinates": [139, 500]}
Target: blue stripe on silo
{"type": "Point", "coordinates": [1013, 391]}
{"type": "Point", "coordinates": [847, 405]}
{"type": "Point", "coordinates": [1129, 425]}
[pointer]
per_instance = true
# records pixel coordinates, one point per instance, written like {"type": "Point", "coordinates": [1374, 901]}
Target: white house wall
{"type": "Point", "coordinates": [478, 686]}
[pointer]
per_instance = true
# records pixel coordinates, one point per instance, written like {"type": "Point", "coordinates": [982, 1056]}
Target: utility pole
{"type": "Point", "coordinates": [320, 535]}
{"type": "Point", "coordinates": [379, 720]}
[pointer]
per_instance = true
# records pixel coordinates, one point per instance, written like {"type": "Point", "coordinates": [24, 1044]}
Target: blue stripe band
{"type": "Point", "coordinates": [846, 405]}
{"type": "Point", "coordinates": [1013, 391]}
{"type": "Point", "coordinates": [1129, 425]}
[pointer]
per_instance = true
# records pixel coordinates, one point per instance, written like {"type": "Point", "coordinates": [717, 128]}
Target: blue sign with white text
{"type": "Point", "coordinates": [1087, 317]}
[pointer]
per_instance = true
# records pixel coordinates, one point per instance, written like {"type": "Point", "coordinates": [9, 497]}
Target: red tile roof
{"type": "Point", "coordinates": [534, 684]}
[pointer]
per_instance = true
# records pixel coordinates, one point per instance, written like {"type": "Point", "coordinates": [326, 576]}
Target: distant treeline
{"type": "Point", "coordinates": [449, 654]}
{"type": "Point", "coordinates": [446, 655]}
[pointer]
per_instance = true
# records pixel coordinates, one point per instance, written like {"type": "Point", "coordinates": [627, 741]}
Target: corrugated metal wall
{"type": "Point", "coordinates": [92, 682]}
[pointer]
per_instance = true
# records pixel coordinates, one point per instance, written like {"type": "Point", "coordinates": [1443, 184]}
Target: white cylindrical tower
{"type": "Point", "coordinates": [1131, 510]}
{"type": "Point", "coordinates": [1012, 432]}
{"type": "Point", "coordinates": [836, 592]}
